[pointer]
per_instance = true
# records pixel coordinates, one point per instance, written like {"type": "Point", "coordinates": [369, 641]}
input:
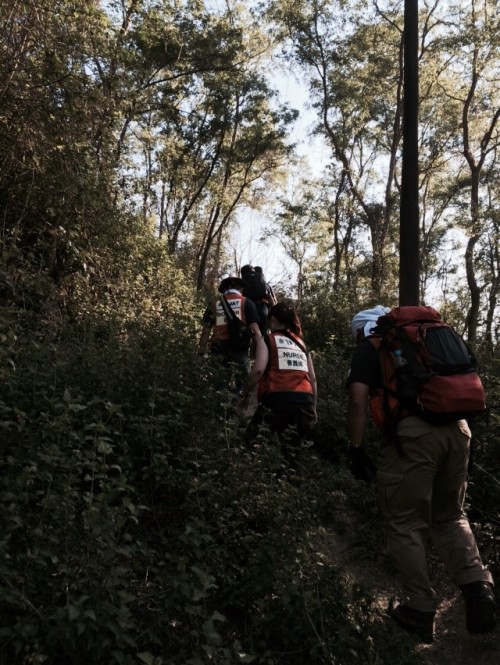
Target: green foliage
{"type": "Point", "coordinates": [55, 185]}
{"type": "Point", "coordinates": [326, 317]}
{"type": "Point", "coordinates": [484, 484]}
{"type": "Point", "coordinates": [137, 524]}
{"type": "Point", "coordinates": [139, 527]}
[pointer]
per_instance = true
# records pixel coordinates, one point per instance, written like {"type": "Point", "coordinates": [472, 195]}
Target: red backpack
{"type": "Point", "coordinates": [427, 369]}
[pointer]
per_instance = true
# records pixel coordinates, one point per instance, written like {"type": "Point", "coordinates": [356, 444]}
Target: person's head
{"type": "Point", "coordinates": [231, 282]}
{"type": "Point", "coordinates": [283, 317]}
{"type": "Point", "coordinates": [245, 270]}
{"type": "Point", "coordinates": [365, 321]}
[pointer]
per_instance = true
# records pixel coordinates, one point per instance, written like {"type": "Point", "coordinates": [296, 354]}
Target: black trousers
{"type": "Point", "coordinates": [235, 365]}
{"type": "Point", "coordinates": [263, 311]}
{"type": "Point", "coordinates": [291, 422]}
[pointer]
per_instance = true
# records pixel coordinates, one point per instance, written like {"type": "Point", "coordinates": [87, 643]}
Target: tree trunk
{"type": "Point", "coordinates": [475, 291]}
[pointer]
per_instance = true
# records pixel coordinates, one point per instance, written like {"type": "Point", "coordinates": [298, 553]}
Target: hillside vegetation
{"type": "Point", "coordinates": [139, 528]}
{"type": "Point", "coordinates": [135, 136]}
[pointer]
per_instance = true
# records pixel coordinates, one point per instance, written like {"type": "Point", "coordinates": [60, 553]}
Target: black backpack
{"type": "Point", "coordinates": [255, 283]}
{"type": "Point", "coordinates": [240, 335]}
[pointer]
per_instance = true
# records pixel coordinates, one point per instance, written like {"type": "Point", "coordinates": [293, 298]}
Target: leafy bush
{"type": "Point", "coordinates": [140, 527]}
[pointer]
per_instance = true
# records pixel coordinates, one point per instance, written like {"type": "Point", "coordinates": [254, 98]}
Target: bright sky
{"type": "Point", "coordinates": [247, 246]}
{"type": "Point", "coordinates": [246, 241]}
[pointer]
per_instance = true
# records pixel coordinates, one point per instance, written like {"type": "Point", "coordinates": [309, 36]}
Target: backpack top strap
{"type": "Point", "coordinates": [406, 315]}
{"type": "Point", "coordinates": [294, 340]}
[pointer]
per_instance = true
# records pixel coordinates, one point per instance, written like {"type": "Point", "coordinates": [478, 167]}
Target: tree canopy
{"type": "Point", "coordinates": [159, 119]}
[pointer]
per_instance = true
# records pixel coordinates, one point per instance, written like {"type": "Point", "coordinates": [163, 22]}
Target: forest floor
{"type": "Point", "coordinates": [453, 645]}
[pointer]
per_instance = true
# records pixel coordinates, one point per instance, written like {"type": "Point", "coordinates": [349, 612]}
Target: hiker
{"type": "Point", "coordinates": [421, 482]}
{"type": "Point", "coordinates": [257, 289]}
{"type": "Point", "coordinates": [215, 319]}
{"type": "Point", "coordinates": [284, 372]}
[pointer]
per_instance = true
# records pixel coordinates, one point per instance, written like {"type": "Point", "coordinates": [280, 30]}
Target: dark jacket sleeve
{"type": "Point", "coordinates": [251, 313]}
{"type": "Point", "coordinates": [208, 319]}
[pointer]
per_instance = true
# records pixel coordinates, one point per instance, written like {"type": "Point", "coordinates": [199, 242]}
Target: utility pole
{"type": "Point", "coordinates": [409, 224]}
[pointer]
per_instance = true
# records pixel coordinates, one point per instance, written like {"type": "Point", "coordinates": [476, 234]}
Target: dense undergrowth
{"type": "Point", "coordinates": [137, 526]}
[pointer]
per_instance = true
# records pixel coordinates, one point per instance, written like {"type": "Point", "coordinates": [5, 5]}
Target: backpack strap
{"type": "Point", "coordinates": [393, 416]}
{"type": "Point", "coordinates": [227, 309]}
{"type": "Point", "coordinates": [301, 346]}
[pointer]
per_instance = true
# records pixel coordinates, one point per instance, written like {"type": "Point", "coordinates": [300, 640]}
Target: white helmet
{"type": "Point", "coordinates": [367, 319]}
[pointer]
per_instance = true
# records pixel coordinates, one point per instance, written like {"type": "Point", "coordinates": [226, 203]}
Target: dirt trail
{"type": "Point", "coordinates": [452, 645]}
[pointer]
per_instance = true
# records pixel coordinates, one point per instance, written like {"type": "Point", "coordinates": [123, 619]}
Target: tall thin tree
{"type": "Point", "coordinates": [409, 266]}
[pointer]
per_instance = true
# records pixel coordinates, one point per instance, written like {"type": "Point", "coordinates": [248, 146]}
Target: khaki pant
{"type": "Point", "coordinates": [422, 495]}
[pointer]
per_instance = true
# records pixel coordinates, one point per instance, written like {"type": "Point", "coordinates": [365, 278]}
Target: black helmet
{"type": "Point", "coordinates": [231, 282]}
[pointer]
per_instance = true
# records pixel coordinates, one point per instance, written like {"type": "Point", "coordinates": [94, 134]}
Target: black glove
{"type": "Point", "coordinates": [360, 465]}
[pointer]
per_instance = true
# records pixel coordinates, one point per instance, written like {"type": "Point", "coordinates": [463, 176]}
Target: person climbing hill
{"type": "Point", "coordinates": [215, 332]}
{"type": "Point", "coordinates": [259, 291]}
{"type": "Point", "coordinates": [287, 391]}
{"type": "Point", "coordinates": [422, 476]}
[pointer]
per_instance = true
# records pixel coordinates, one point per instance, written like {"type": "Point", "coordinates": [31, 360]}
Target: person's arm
{"type": "Point", "coordinates": [312, 379]}
{"type": "Point", "coordinates": [258, 369]}
{"type": "Point", "coordinates": [252, 319]}
{"type": "Point", "coordinates": [254, 327]}
{"type": "Point", "coordinates": [357, 412]}
{"type": "Point", "coordinates": [207, 323]}
{"type": "Point", "coordinates": [360, 464]}
{"type": "Point", "coordinates": [204, 337]}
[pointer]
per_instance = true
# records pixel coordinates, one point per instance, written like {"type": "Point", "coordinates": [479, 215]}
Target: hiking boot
{"type": "Point", "coordinates": [480, 607]}
{"type": "Point", "coordinates": [414, 621]}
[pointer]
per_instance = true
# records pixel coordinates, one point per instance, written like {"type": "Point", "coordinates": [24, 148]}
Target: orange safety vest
{"type": "Point", "coordinates": [287, 369]}
{"type": "Point", "coordinates": [237, 303]}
